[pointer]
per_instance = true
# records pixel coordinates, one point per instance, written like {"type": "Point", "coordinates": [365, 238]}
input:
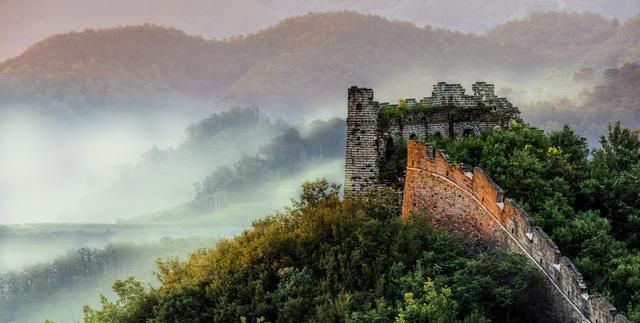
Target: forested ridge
{"type": "Point", "coordinates": [303, 59]}
{"type": "Point", "coordinates": [351, 261]}
{"type": "Point", "coordinates": [219, 139]}
{"type": "Point", "coordinates": [614, 98]}
{"type": "Point", "coordinates": [328, 260]}
{"type": "Point", "coordinates": [31, 20]}
{"type": "Point", "coordinates": [284, 155]}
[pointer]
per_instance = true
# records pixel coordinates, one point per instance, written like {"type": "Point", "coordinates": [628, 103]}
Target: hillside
{"type": "Point", "coordinates": [303, 64]}
{"type": "Point", "coordinates": [24, 22]}
{"type": "Point", "coordinates": [614, 98]}
{"type": "Point", "coordinates": [326, 260]}
{"type": "Point", "coordinates": [165, 177]}
{"type": "Point", "coordinates": [303, 59]}
{"type": "Point", "coordinates": [114, 67]}
{"type": "Point", "coordinates": [558, 36]}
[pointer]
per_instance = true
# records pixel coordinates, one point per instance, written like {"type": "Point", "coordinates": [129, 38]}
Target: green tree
{"type": "Point", "coordinates": [434, 305]}
{"type": "Point", "coordinates": [134, 304]}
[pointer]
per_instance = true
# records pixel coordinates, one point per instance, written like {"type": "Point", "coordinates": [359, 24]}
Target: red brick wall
{"type": "Point", "coordinates": [473, 207]}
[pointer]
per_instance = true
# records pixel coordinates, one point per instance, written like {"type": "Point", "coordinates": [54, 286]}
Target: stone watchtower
{"type": "Point", "coordinates": [362, 156]}
{"type": "Point", "coordinates": [373, 127]}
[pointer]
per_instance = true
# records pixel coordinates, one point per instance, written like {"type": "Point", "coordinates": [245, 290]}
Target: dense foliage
{"type": "Point", "coordinates": [588, 203]}
{"type": "Point", "coordinates": [327, 260]}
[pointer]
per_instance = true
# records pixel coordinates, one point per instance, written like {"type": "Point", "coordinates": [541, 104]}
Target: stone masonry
{"type": "Point", "coordinates": [468, 203]}
{"type": "Point", "coordinates": [472, 206]}
{"type": "Point", "coordinates": [362, 162]}
{"type": "Point", "coordinates": [447, 112]}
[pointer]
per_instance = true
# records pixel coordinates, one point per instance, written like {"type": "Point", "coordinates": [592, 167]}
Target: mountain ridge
{"type": "Point", "coordinates": [33, 20]}
{"type": "Point", "coordinates": [303, 61]}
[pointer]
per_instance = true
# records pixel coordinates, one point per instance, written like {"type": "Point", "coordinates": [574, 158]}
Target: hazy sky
{"type": "Point", "coordinates": [46, 166]}
{"type": "Point", "coordinates": [24, 22]}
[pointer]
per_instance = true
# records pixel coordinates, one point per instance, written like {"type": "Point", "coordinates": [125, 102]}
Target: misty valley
{"type": "Point", "coordinates": [226, 161]}
{"type": "Point", "coordinates": [223, 172]}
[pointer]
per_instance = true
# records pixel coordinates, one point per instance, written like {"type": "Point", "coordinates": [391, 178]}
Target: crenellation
{"type": "Point", "coordinates": [469, 206]}
{"type": "Point", "coordinates": [466, 202]}
{"type": "Point", "coordinates": [449, 112]}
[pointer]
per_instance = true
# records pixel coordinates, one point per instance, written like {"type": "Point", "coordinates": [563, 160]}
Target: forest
{"type": "Point", "coordinates": [160, 186]}
{"type": "Point", "coordinates": [587, 201]}
{"type": "Point", "coordinates": [287, 153]}
{"type": "Point", "coordinates": [117, 152]}
{"type": "Point", "coordinates": [354, 261]}
{"type": "Point", "coordinates": [614, 98]}
{"type": "Point", "coordinates": [304, 63]}
{"type": "Point", "coordinates": [328, 260]}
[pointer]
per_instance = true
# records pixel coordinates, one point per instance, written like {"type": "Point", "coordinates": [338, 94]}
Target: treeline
{"type": "Point", "coordinates": [232, 118]}
{"type": "Point", "coordinates": [199, 133]}
{"type": "Point", "coordinates": [299, 61]}
{"type": "Point", "coordinates": [558, 36]}
{"type": "Point", "coordinates": [587, 201]}
{"type": "Point", "coordinates": [286, 153]}
{"type": "Point", "coordinates": [24, 292]}
{"type": "Point", "coordinates": [327, 260]}
{"type": "Point", "coordinates": [164, 176]}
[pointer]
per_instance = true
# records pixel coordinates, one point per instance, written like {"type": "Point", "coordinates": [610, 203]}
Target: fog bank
{"type": "Point", "coordinates": [47, 164]}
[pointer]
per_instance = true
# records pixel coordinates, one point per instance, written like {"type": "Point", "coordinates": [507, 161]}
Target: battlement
{"type": "Point", "coordinates": [451, 95]}
{"type": "Point", "coordinates": [465, 202]}
{"type": "Point", "coordinates": [448, 112]}
{"type": "Point", "coordinates": [472, 206]}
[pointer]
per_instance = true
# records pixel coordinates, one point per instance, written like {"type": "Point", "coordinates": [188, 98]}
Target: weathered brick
{"type": "Point", "coordinates": [469, 204]}
{"type": "Point", "coordinates": [473, 207]}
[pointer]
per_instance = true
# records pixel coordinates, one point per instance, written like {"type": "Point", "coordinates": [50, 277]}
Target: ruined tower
{"type": "Point", "coordinates": [372, 127]}
{"type": "Point", "coordinates": [362, 157]}
{"type": "Point", "coordinates": [469, 204]}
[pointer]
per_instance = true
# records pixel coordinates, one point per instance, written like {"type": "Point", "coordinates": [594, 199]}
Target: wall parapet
{"type": "Point", "coordinates": [503, 219]}
{"type": "Point", "coordinates": [374, 127]}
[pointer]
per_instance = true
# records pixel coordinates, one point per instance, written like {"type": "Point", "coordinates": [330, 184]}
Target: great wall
{"type": "Point", "coordinates": [466, 202]}
{"type": "Point", "coordinates": [448, 112]}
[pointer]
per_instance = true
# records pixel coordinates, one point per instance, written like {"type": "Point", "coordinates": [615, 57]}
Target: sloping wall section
{"type": "Point", "coordinates": [473, 206]}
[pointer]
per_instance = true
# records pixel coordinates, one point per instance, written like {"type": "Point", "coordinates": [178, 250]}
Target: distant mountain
{"type": "Point", "coordinates": [557, 36]}
{"type": "Point", "coordinates": [24, 22]}
{"type": "Point", "coordinates": [297, 65]}
{"type": "Point", "coordinates": [616, 98]}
